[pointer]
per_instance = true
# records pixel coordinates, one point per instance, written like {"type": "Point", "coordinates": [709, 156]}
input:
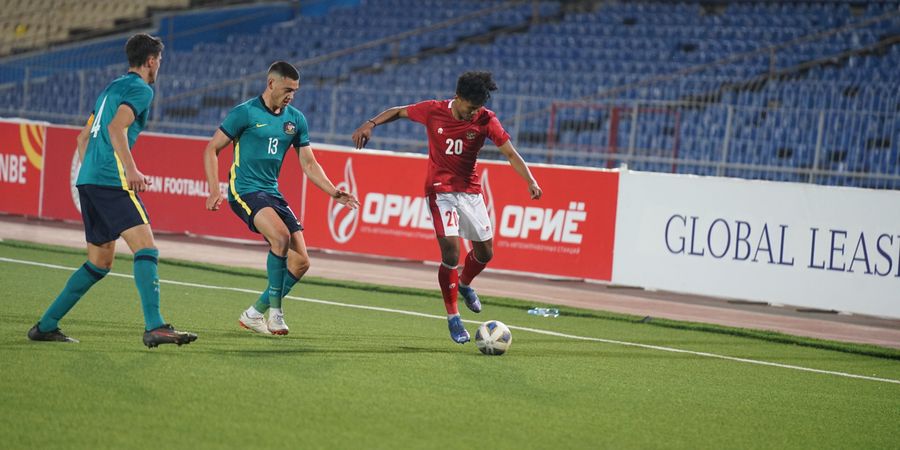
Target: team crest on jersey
{"type": "Point", "coordinates": [290, 128]}
{"type": "Point", "coordinates": [470, 135]}
{"type": "Point", "coordinates": [440, 131]}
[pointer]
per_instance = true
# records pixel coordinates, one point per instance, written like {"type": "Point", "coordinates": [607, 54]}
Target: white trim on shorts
{"type": "Point", "coordinates": [471, 219]}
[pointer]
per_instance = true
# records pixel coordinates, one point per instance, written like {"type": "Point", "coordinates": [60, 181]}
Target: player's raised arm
{"type": "Point", "coordinates": [364, 132]}
{"type": "Point", "coordinates": [316, 174]}
{"type": "Point", "coordinates": [518, 164]}
{"type": "Point", "coordinates": [211, 166]}
{"type": "Point", "coordinates": [118, 137]}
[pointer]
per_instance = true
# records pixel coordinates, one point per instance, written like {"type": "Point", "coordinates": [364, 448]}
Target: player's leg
{"type": "Point", "coordinates": [99, 261]}
{"type": "Point", "coordinates": [446, 227]}
{"type": "Point", "coordinates": [270, 225]}
{"type": "Point", "coordinates": [146, 278]}
{"type": "Point", "coordinates": [261, 212]}
{"type": "Point", "coordinates": [448, 278]}
{"type": "Point", "coordinates": [476, 260]}
{"type": "Point", "coordinates": [474, 225]}
{"type": "Point", "coordinates": [146, 272]}
{"type": "Point", "coordinates": [244, 207]}
{"type": "Point", "coordinates": [98, 264]}
{"type": "Point", "coordinates": [298, 262]}
{"type": "Point", "coordinates": [297, 265]}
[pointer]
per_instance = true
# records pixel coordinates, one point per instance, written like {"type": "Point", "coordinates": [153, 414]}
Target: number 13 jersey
{"type": "Point", "coordinates": [261, 140]}
{"type": "Point", "coordinates": [453, 144]}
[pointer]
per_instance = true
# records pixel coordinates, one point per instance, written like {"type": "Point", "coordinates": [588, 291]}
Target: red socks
{"type": "Point", "coordinates": [471, 269]}
{"type": "Point", "coordinates": [448, 278]}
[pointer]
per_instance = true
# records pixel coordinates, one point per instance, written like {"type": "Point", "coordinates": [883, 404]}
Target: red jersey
{"type": "Point", "coordinates": [453, 145]}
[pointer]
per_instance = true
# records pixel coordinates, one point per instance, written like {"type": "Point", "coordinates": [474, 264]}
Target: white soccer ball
{"type": "Point", "coordinates": [493, 338]}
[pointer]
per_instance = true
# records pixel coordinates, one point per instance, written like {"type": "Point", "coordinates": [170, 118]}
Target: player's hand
{"type": "Point", "coordinates": [362, 134]}
{"type": "Point", "coordinates": [535, 190]}
{"type": "Point", "coordinates": [214, 200]}
{"type": "Point", "coordinates": [137, 181]}
{"type": "Point", "coordinates": [346, 199]}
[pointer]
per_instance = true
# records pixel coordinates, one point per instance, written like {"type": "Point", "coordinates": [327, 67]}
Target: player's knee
{"type": "Point", "coordinates": [103, 264]}
{"type": "Point", "coordinates": [299, 266]}
{"type": "Point", "coordinates": [450, 258]}
{"type": "Point", "coordinates": [484, 256]}
{"type": "Point", "coordinates": [280, 243]}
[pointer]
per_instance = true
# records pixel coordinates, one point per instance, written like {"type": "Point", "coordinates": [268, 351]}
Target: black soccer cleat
{"type": "Point", "coordinates": [35, 334]}
{"type": "Point", "coordinates": [167, 334]}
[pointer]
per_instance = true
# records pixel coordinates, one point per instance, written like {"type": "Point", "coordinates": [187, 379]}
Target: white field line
{"type": "Point", "coordinates": [530, 330]}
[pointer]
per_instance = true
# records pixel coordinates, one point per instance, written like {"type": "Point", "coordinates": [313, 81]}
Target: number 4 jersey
{"type": "Point", "coordinates": [101, 166]}
{"type": "Point", "coordinates": [261, 139]}
{"type": "Point", "coordinates": [453, 145]}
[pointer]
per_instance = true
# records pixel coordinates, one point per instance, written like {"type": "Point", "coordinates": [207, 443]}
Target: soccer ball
{"type": "Point", "coordinates": [493, 338]}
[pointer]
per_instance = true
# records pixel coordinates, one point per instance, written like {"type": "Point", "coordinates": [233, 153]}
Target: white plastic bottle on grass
{"type": "Point", "coordinates": [544, 312]}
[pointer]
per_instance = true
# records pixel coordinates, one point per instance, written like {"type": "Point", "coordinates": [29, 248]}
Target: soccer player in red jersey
{"type": "Point", "coordinates": [456, 131]}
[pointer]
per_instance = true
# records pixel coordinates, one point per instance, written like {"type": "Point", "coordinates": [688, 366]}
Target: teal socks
{"type": "Point", "coordinates": [75, 288]}
{"type": "Point", "coordinates": [146, 277]}
{"type": "Point", "coordinates": [262, 304]}
{"type": "Point", "coordinates": [276, 266]}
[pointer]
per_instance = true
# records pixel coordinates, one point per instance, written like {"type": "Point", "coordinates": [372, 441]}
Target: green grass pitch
{"type": "Point", "coordinates": [350, 377]}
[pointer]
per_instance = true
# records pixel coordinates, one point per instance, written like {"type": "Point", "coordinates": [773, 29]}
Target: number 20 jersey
{"type": "Point", "coordinates": [453, 145]}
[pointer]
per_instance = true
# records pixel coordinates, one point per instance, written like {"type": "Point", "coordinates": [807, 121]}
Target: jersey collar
{"type": "Point", "coordinates": [263, 102]}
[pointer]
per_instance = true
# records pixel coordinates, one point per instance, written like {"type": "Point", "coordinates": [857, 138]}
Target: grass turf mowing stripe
{"type": "Point", "coordinates": [761, 335]}
{"type": "Point", "coordinates": [527, 329]}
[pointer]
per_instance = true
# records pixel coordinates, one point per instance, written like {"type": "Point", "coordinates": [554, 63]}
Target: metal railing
{"type": "Point", "coordinates": [781, 123]}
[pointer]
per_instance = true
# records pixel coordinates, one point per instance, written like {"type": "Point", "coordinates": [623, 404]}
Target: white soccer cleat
{"type": "Point", "coordinates": [276, 324]}
{"type": "Point", "coordinates": [257, 324]}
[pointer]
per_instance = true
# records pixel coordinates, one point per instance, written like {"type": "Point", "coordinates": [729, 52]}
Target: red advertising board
{"type": "Point", "coordinates": [176, 199]}
{"type": "Point", "coordinates": [60, 169]}
{"type": "Point", "coordinates": [21, 167]}
{"type": "Point", "coordinates": [569, 232]}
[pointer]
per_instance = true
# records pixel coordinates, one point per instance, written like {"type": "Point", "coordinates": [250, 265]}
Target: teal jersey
{"type": "Point", "coordinates": [261, 140]}
{"type": "Point", "coordinates": [101, 165]}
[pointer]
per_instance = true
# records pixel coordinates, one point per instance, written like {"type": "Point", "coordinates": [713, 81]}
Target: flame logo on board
{"type": "Point", "coordinates": [32, 137]}
{"type": "Point", "coordinates": [342, 221]}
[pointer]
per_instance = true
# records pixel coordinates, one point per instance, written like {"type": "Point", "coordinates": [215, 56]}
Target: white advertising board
{"type": "Point", "coordinates": [813, 246]}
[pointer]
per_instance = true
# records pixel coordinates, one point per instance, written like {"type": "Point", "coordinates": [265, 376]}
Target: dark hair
{"type": "Point", "coordinates": [285, 70]}
{"type": "Point", "coordinates": [140, 47]}
{"type": "Point", "coordinates": [475, 87]}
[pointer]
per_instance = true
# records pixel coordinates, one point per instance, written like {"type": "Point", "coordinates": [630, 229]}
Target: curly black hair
{"type": "Point", "coordinates": [475, 87]}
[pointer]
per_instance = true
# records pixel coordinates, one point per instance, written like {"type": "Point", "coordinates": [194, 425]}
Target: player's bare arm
{"type": "Point", "coordinates": [314, 171]}
{"type": "Point", "coordinates": [364, 132]}
{"type": "Point", "coordinates": [83, 137]}
{"type": "Point", "coordinates": [211, 165]}
{"type": "Point", "coordinates": [118, 137]}
{"type": "Point", "coordinates": [518, 164]}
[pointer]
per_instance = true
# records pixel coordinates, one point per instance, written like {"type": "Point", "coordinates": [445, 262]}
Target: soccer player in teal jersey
{"type": "Point", "coordinates": [262, 129]}
{"type": "Point", "coordinates": [110, 207]}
